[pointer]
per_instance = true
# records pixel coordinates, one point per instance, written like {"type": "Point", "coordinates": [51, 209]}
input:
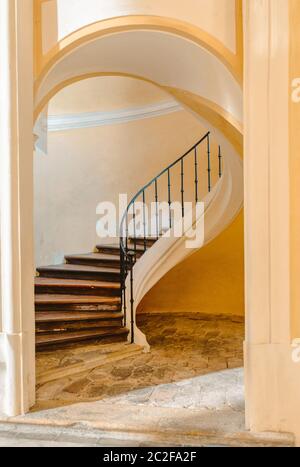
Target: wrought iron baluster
{"type": "Point", "coordinates": [169, 198]}
{"type": "Point", "coordinates": [123, 284]}
{"type": "Point", "coordinates": [132, 323]}
{"type": "Point", "coordinates": [220, 162]}
{"type": "Point", "coordinates": [134, 227]}
{"type": "Point", "coordinates": [196, 174]}
{"type": "Point", "coordinates": [156, 209]}
{"type": "Point", "coordinates": [126, 232]}
{"type": "Point", "coordinates": [144, 220]}
{"type": "Point", "coordinates": [126, 262]}
{"type": "Point", "coordinates": [182, 187]}
{"type": "Point", "coordinates": [208, 164]}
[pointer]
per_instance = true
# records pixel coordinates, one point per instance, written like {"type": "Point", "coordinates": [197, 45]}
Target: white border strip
{"type": "Point", "coordinates": [95, 119]}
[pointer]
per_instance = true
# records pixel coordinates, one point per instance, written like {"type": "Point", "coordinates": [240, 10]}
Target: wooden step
{"type": "Point", "coordinates": [64, 338]}
{"type": "Point", "coordinates": [72, 286]}
{"type": "Point", "coordinates": [72, 271]}
{"type": "Point", "coordinates": [61, 316]}
{"type": "Point", "coordinates": [89, 358]}
{"type": "Point", "coordinates": [61, 322]}
{"type": "Point", "coordinates": [76, 302]}
{"type": "Point", "coordinates": [115, 249]}
{"type": "Point", "coordinates": [46, 328]}
{"type": "Point", "coordinates": [95, 259]}
{"type": "Point", "coordinates": [140, 241]}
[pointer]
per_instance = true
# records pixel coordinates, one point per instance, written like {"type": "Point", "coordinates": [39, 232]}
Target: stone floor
{"type": "Point", "coordinates": [218, 420]}
{"type": "Point", "coordinates": [183, 347]}
{"type": "Point", "coordinates": [187, 391]}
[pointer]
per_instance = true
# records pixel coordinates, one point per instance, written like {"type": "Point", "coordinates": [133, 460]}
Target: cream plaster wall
{"type": "Point", "coordinates": [62, 17]}
{"type": "Point", "coordinates": [84, 167]}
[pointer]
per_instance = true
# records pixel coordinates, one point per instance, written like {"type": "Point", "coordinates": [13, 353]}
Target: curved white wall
{"type": "Point", "coordinates": [62, 17]}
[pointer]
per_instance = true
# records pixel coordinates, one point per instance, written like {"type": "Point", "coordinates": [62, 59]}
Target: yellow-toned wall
{"type": "Point", "coordinates": [210, 281]}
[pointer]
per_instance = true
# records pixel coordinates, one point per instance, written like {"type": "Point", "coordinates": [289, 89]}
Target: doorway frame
{"type": "Point", "coordinates": [272, 381]}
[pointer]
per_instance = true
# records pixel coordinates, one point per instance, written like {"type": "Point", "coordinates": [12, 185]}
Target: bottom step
{"type": "Point", "coordinates": [86, 358]}
{"type": "Point", "coordinates": [63, 338]}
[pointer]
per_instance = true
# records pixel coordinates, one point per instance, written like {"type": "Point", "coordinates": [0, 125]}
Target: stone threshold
{"type": "Point", "coordinates": [155, 426]}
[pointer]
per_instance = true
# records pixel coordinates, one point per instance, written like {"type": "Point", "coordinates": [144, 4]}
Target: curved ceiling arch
{"type": "Point", "coordinates": [214, 115]}
{"type": "Point", "coordinates": [233, 61]}
{"type": "Point", "coordinates": [160, 58]}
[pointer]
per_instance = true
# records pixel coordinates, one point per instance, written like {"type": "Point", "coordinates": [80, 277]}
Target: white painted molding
{"type": "Point", "coordinates": [95, 119]}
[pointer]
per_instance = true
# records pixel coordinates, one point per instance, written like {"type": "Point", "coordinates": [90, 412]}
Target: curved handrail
{"type": "Point", "coordinates": [159, 175]}
{"type": "Point", "coordinates": [128, 255]}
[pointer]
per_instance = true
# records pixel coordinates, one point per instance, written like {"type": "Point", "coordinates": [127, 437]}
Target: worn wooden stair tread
{"type": "Point", "coordinates": [141, 240]}
{"type": "Point", "coordinates": [95, 259]}
{"type": "Point", "coordinates": [75, 283]}
{"type": "Point", "coordinates": [77, 267]}
{"type": "Point", "coordinates": [73, 336]}
{"type": "Point", "coordinates": [95, 256]}
{"type": "Point", "coordinates": [84, 272]}
{"type": "Point", "coordinates": [65, 299]}
{"type": "Point", "coordinates": [61, 316]}
{"type": "Point", "coordinates": [114, 249]}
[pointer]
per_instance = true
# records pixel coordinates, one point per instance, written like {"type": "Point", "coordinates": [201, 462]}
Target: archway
{"type": "Point", "coordinates": [57, 153]}
{"type": "Point", "coordinates": [206, 96]}
{"type": "Point", "coordinates": [216, 101]}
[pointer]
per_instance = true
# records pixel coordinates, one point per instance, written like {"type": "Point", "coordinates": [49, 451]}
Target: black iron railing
{"type": "Point", "coordinates": [132, 237]}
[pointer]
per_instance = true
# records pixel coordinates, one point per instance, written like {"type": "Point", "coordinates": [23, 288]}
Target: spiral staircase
{"type": "Point", "coordinates": [93, 297]}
